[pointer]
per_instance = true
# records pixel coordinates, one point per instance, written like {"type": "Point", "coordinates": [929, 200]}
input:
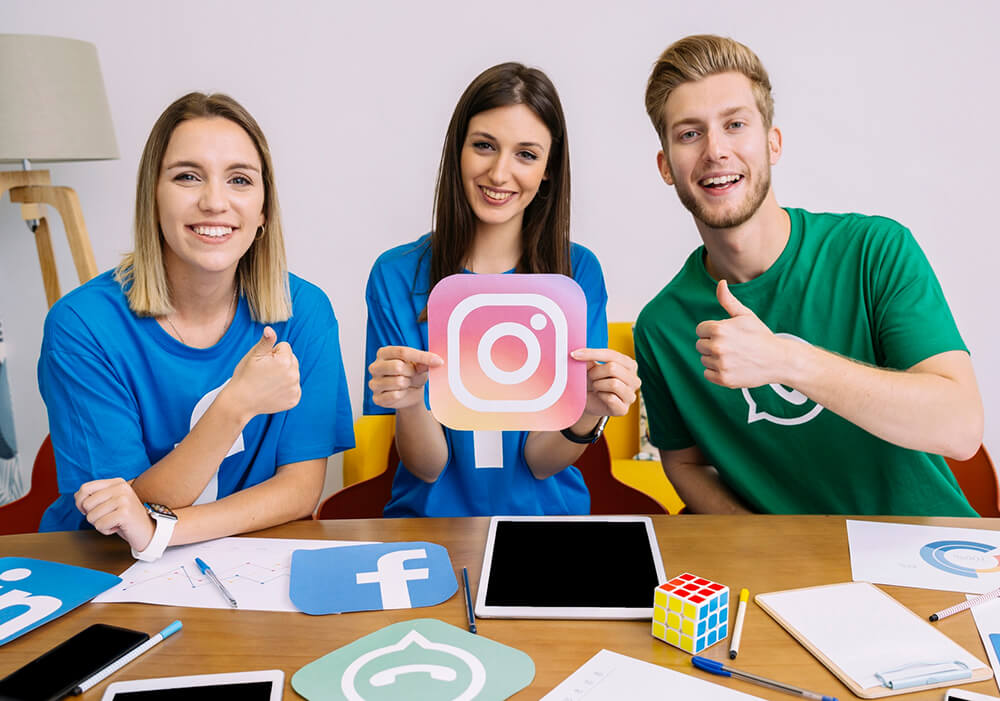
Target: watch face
{"type": "Point", "coordinates": [160, 510]}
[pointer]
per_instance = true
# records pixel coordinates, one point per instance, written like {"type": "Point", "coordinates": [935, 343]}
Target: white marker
{"type": "Point", "coordinates": [741, 612]}
{"type": "Point", "coordinates": [122, 661]}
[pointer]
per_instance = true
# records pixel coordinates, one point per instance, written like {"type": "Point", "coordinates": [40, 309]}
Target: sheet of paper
{"type": "Point", "coordinates": [987, 618]}
{"type": "Point", "coordinates": [254, 570]}
{"type": "Point", "coordinates": [864, 631]}
{"type": "Point", "coordinates": [927, 557]}
{"type": "Point", "coordinates": [608, 676]}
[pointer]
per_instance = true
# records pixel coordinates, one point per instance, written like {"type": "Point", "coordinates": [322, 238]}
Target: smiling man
{"type": "Point", "coordinates": [798, 362]}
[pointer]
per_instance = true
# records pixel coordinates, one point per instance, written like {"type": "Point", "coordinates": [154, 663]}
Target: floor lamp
{"type": "Point", "coordinates": [53, 108]}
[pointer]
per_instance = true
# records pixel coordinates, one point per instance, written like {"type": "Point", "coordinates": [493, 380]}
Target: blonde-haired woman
{"type": "Point", "coordinates": [186, 401]}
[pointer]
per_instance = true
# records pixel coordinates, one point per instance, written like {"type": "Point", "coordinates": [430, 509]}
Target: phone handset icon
{"type": "Point", "coordinates": [409, 644]}
{"type": "Point", "coordinates": [436, 671]}
{"type": "Point", "coordinates": [792, 396]}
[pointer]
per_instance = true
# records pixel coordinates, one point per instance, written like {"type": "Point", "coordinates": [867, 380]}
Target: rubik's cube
{"type": "Point", "coordinates": [691, 612]}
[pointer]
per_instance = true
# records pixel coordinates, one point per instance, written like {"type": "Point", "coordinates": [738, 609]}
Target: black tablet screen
{"type": "Point", "coordinates": [571, 564]}
{"type": "Point", "coordinates": [247, 691]}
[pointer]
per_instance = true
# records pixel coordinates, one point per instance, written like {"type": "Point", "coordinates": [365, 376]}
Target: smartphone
{"type": "Point", "coordinates": [962, 695]}
{"type": "Point", "coordinates": [55, 673]}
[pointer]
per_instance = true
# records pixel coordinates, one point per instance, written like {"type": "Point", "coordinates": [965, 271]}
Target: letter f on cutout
{"type": "Point", "coordinates": [392, 577]}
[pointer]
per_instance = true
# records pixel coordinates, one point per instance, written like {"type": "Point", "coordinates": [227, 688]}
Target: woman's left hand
{"type": "Point", "coordinates": [112, 506]}
{"type": "Point", "coordinates": [612, 381]}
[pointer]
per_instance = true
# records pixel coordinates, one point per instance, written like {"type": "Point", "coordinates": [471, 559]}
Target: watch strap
{"type": "Point", "coordinates": [590, 437]}
{"type": "Point", "coordinates": [160, 540]}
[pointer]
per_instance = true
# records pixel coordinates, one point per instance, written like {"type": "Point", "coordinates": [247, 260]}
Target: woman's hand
{"type": "Point", "coordinates": [112, 506]}
{"type": "Point", "coordinates": [399, 374]}
{"type": "Point", "coordinates": [612, 381]}
{"type": "Point", "coordinates": [266, 380]}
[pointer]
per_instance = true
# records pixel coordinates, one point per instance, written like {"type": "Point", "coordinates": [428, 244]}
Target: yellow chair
{"type": "Point", "coordinates": [372, 437]}
{"type": "Point", "coordinates": [374, 434]}
{"type": "Point", "coordinates": [623, 438]}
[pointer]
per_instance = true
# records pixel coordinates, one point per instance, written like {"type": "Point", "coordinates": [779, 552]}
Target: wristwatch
{"type": "Point", "coordinates": [590, 437]}
{"type": "Point", "coordinates": [165, 520]}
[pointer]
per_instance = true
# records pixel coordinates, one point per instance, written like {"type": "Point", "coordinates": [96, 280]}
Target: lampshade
{"type": "Point", "coordinates": [52, 101]}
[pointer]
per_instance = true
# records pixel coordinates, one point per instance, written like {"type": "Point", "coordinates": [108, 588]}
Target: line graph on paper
{"type": "Point", "coordinates": [255, 570]}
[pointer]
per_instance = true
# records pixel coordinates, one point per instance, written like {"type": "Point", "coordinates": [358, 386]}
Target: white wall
{"type": "Point", "coordinates": [886, 107]}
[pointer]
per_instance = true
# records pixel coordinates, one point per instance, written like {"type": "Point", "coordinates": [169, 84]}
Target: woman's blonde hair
{"type": "Point", "coordinates": [262, 274]}
{"type": "Point", "coordinates": [699, 56]}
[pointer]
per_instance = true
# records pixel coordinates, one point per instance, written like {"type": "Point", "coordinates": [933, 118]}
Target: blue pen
{"type": "Point", "coordinates": [469, 611]}
{"type": "Point", "coordinates": [207, 571]}
{"type": "Point", "coordinates": [707, 665]}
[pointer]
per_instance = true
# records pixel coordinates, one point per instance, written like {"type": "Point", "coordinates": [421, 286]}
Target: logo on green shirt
{"type": "Point", "coordinates": [779, 404]}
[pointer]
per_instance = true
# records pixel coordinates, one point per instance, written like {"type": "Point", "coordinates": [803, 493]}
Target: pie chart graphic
{"type": "Point", "coordinates": [943, 554]}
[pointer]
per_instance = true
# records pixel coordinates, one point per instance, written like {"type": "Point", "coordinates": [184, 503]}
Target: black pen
{"type": "Point", "coordinates": [468, 601]}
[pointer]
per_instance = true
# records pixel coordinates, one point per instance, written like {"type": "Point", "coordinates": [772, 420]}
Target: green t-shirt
{"type": "Point", "coordinates": [859, 286]}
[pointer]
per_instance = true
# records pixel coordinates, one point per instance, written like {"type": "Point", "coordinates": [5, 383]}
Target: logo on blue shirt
{"type": "Point", "coordinates": [371, 577]}
{"type": "Point", "coordinates": [33, 592]}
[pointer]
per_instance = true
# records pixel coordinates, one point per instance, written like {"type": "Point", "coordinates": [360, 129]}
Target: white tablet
{"type": "Point", "coordinates": [569, 567]}
{"type": "Point", "coordinates": [264, 685]}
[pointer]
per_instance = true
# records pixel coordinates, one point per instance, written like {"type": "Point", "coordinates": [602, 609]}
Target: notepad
{"type": "Point", "coordinates": [609, 676]}
{"type": "Point", "coordinates": [874, 644]}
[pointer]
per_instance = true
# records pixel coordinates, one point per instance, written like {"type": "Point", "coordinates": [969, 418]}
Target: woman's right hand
{"type": "Point", "coordinates": [399, 375]}
{"type": "Point", "coordinates": [266, 380]}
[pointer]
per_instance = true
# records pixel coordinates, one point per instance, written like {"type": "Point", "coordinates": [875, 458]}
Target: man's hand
{"type": "Point", "coordinates": [112, 506]}
{"type": "Point", "coordinates": [739, 351]}
{"type": "Point", "coordinates": [399, 374]}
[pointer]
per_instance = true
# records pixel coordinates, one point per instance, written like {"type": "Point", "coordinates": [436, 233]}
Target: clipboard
{"type": "Point", "coordinates": [876, 646]}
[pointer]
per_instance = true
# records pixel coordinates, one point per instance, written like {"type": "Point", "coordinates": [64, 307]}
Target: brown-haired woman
{"type": "Point", "coordinates": [503, 205]}
{"type": "Point", "coordinates": [185, 400]}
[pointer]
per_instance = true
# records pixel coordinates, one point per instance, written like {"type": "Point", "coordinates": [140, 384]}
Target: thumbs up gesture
{"type": "Point", "coordinates": [266, 380]}
{"type": "Point", "coordinates": [739, 351]}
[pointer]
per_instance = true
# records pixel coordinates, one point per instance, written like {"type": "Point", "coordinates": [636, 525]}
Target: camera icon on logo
{"type": "Point", "coordinates": [505, 340]}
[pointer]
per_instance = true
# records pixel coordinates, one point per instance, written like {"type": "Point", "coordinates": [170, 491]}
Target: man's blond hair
{"type": "Point", "coordinates": [699, 56]}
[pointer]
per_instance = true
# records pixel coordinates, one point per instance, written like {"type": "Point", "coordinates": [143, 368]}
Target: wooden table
{"type": "Point", "coordinates": [762, 553]}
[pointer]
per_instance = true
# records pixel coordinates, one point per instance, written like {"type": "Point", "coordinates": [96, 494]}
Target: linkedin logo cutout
{"type": "Point", "coordinates": [33, 592]}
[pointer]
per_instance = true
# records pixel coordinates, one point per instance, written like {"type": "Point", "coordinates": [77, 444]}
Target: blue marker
{"type": "Point", "coordinates": [722, 670]}
{"type": "Point", "coordinates": [207, 571]}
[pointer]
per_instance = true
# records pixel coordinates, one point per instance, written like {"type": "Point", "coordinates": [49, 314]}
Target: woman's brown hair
{"type": "Point", "coordinates": [545, 228]}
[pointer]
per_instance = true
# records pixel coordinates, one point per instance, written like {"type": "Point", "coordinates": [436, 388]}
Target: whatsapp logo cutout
{"type": "Point", "coordinates": [423, 659]}
{"type": "Point", "coordinates": [779, 404]}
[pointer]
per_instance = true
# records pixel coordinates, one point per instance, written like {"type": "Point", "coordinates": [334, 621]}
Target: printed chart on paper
{"type": "Point", "coordinates": [255, 570]}
{"type": "Point", "coordinates": [928, 557]}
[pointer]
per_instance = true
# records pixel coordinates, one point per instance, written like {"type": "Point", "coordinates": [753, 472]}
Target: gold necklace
{"type": "Point", "coordinates": [229, 311]}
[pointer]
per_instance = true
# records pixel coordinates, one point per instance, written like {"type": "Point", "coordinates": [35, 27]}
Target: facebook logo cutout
{"type": "Point", "coordinates": [371, 577]}
{"type": "Point", "coordinates": [33, 592]}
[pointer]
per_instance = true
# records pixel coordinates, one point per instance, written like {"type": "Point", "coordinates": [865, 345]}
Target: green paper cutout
{"type": "Point", "coordinates": [419, 660]}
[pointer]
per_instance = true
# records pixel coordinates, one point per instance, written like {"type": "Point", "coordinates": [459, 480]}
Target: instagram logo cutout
{"type": "Point", "coordinates": [505, 341]}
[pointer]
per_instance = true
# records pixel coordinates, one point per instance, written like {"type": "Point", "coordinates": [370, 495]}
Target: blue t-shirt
{"type": "Point", "coordinates": [121, 392]}
{"type": "Point", "coordinates": [396, 295]}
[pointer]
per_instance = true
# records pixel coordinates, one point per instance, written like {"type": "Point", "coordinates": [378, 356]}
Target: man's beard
{"type": "Point", "coordinates": [726, 220]}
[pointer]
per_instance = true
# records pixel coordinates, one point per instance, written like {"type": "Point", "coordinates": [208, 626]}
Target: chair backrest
{"type": "Point", "coordinates": [373, 437]}
{"type": "Point", "coordinates": [978, 479]}
{"type": "Point", "coordinates": [367, 499]}
{"type": "Point", "coordinates": [364, 499]}
{"type": "Point", "coordinates": [23, 515]}
{"type": "Point", "coordinates": [608, 495]}
{"type": "Point", "coordinates": [623, 431]}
